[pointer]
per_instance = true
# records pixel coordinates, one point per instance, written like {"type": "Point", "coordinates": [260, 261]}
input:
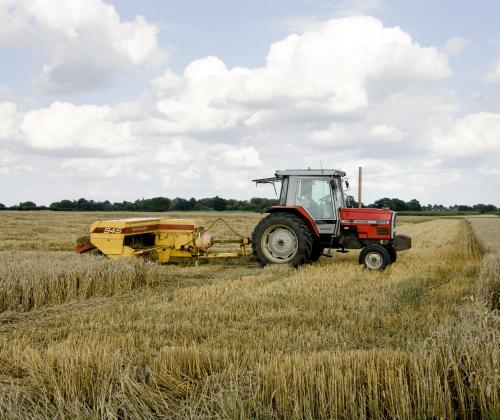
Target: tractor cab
{"type": "Point", "coordinates": [312, 216]}
{"type": "Point", "coordinates": [318, 192]}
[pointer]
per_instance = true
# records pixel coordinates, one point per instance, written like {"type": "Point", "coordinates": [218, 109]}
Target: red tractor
{"type": "Point", "coordinates": [312, 216]}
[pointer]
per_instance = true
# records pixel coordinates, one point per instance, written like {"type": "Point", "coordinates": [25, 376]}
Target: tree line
{"type": "Point", "coordinates": [414, 206]}
{"type": "Point", "coordinates": [161, 204]}
{"type": "Point", "coordinates": [158, 204]}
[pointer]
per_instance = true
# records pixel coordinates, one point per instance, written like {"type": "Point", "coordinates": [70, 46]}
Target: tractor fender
{"type": "Point", "coordinates": [298, 211]}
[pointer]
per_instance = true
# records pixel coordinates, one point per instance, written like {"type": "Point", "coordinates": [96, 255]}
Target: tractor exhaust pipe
{"type": "Point", "coordinates": [360, 180]}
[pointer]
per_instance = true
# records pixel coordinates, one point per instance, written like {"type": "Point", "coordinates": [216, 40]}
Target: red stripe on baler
{"type": "Point", "coordinates": [139, 229]}
{"type": "Point", "coordinates": [176, 227]}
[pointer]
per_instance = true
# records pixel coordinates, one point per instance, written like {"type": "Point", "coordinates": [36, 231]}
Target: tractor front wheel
{"type": "Point", "coordinates": [392, 253]}
{"type": "Point", "coordinates": [282, 238]}
{"type": "Point", "coordinates": [374, 257]}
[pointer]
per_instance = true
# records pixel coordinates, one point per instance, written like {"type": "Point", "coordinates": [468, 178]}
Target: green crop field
{"type": "Point", "coordinates": [85, 337]}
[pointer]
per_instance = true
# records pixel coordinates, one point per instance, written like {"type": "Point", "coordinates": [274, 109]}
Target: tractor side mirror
{"type": "Point", "coordinates": [346, 182]}
{"type": "Point", "coordinates": [333, 184]}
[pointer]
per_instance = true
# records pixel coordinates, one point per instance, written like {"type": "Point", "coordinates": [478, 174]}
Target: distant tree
{"type": "Point", "coordinates": [2, 206]}
{"type": "Point", "coordinates": [484, 208]}
{"type": "Point", "coordinates": [160, 204]}
{"type": "Point", "coordinates": [179, 204]}
{"type": "Point", "coordinates": [382, 203]}
{"type": "Point", "coordinates": [124, 206]}
{"type": "Point", "coordinates": [413, 205]}
{"type": "Point", "coordinates": [106, 206]}
{"type": "Point", "coordinates": [85, 205]}
{"type": "Point", "coordinates": [27, 205]}
{"type": "Point", "coordinates": [438, 207]}
{"type": "Point", "coordinates": [63, 205]}
{"type": "Point", "coordinates": [258, 204]}
{"type": "Point", "coordinates": [219, 204]}
{"type": "Point", "coordinates": [398, 205]}
{"type": "Point", "coordinates": [491, 208]}
{"type": "Point", "coordinates": [192, 203]}
{"type": "Point", "coordinates": [234, 205]}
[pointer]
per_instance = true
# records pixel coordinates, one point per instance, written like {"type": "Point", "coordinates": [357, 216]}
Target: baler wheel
{"type": "Point", "coordinates": [282, 238]}
{"type": "Point", "coordinates": [374, 257]}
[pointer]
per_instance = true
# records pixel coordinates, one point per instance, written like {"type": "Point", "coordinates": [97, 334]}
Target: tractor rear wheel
{"type": "Point", "coordinates": [282, 238]}
{"type": "Point", "coordinates": [374, 257]}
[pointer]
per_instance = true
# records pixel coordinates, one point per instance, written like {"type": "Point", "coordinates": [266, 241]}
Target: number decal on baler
{"type": "Point", "coordinates": [112, 230]}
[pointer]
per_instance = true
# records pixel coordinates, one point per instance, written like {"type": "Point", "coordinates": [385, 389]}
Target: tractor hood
{"type": "Point", "coordinates": [366, 216]}
{"type": "Point", "coordinates": [375, 224]}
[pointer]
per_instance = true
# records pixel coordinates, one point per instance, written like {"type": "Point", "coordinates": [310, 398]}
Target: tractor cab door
{"type": "Point", "coordinates": [318, 199]}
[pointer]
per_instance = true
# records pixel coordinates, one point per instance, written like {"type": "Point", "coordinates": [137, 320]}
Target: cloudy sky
{"type": "Point", "coordinates": [123, 99]}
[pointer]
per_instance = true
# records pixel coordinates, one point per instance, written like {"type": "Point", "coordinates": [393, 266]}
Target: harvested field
{"type": "Point", "coordinates": [32, 279]}
{"type": "Point", "coordinates": [329, 340]}
{"type": "Point", "coordinates": [487, 229]}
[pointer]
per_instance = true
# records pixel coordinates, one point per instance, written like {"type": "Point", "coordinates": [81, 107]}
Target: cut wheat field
{"type": "Point", "coordinates": [86, 337]}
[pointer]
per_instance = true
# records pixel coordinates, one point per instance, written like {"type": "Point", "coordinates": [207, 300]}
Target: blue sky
{"type": "Point", "coordinates": [98, 102]}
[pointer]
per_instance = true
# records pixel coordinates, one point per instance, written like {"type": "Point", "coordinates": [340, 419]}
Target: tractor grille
{"type": "Point", "coordinates": [382, 231]}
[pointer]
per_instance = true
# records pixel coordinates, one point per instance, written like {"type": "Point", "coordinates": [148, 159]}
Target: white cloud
{"type": "Point", "coordinates": [120, 168]}
{"type": "Point", "coordinates": [9, 119]}
{"type": "Point", "coordinates": [493, 76]}
{"type": "Point", "coordinates": [11, 164]}
{"type": "Point", "coordinates": [172, 153]}
{"type": "Point", "coordinates": [223, 179]}
{"type": "Point", "coordinates": [455, 46]}
{"type": "Point", "coordinates": [472, 136]}
{"type": "Point", "coordinates": [77, 130]}
{"type": "Point", "coordinates": [386, 132]}
{"type": "Point", "coordinates": [333, 136]}
{"type": "Point", "coordinates": [323, 74]}
{"type": "Point", "coordinates": [84, 43]}
{"type": "Point", "coordinates": [244, 157]}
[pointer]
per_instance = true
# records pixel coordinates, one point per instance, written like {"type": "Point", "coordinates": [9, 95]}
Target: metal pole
{"type": "Point", "coordinates": [360, 180]}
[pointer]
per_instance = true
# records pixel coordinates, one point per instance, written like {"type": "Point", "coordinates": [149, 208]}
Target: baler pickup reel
{"type": "Point", "coordinates": [157, 239]}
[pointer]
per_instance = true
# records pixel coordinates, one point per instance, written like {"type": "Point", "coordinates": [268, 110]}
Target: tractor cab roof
{"type": "Point", "coordinates": [279, 175]}
{"type": "Point", "coordinates": [310, 172]}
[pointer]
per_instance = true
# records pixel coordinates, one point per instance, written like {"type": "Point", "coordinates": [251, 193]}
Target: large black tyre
{"type": "Point", "coordinates": [317, 251]}
{"type": "Point", "coordinates": [282, 238]}
{"type": "Point", "coordinates": [374, 257]}
{"type": "Point", "coordinates": [392, 253]}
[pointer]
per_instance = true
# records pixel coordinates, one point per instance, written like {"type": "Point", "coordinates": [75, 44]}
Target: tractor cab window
{"type": "Point", "coordinates": [314, 194]}
{"type": "Point", "coordinates": [338, 193]}
{"type": "Point", "coordinates": [284, 191]}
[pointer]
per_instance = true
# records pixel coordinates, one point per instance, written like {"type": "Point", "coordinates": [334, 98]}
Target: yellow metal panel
{"type": "Point", "coordinates": [109, 245]}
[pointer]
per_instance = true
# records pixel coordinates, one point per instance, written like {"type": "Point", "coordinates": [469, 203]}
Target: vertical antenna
{"type": "Point", "coordinates": [360, 181]}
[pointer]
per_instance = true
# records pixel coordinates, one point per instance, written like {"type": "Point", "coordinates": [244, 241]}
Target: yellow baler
{"type": "Point", "coordinates": [155, 238]}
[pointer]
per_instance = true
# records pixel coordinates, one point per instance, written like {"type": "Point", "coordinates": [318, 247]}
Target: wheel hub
{"type": "Point", "coordinates": [280, 244]}
{"type": "Point", "coordinates": [374, 260]}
